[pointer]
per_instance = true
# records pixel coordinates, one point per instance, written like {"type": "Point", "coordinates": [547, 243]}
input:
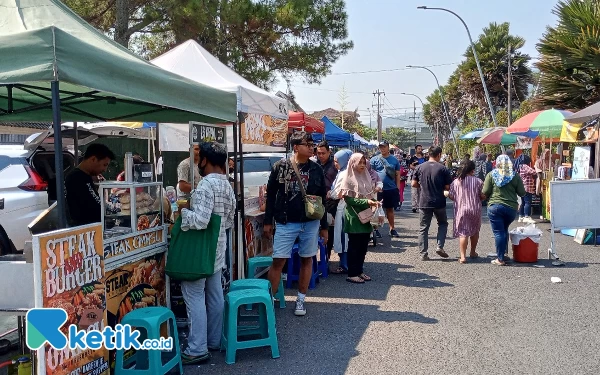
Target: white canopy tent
{"type": "Point", "coordinates": [192, 61]}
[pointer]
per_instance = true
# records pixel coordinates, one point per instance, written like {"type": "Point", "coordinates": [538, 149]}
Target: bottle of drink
{"type": "Point", "coordinates": [24, 367]}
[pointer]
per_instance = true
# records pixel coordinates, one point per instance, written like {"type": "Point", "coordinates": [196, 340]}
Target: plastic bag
{"type": "Point", "coordinates": [379, 218]}
{"type": "Point", "coordinates": [520, 233]}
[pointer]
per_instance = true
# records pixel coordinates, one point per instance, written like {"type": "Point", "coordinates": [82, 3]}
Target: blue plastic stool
{"type": "Point", "coordinates": [266, 319]}
{"type": "Point", "coordinates": [150, 319]}
{"type": "Point", "coordinates": [293, 272]}
{"type": "Point", "coordinates": [324, 262]}
{"type": "Point", "coordinates": [261, 261]}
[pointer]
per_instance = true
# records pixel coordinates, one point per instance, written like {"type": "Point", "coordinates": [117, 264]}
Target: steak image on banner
{"type": "Point", "coordinates": [72, 275]}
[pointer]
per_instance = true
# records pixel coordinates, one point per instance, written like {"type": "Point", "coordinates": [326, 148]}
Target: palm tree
{"type": "Point", "coordinates": [570, 57]}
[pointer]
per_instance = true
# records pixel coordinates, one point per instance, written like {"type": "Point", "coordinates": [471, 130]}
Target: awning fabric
{"type": "Point", "coordinates": [334, 135]}
{"type": "Point", "coordinates": [99, 80]}
{"type": "Point", "coordinates": [192, 61]}
{"type": "Point", "coordinates": [299, 120]}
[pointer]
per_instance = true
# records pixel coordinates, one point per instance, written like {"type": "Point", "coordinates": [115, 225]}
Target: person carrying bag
{"type": "Point", "coordinates": [313, 205]}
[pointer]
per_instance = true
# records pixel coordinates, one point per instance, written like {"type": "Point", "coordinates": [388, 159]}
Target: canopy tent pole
{"type": "Point", "coordinates": [76, 143]}
{"type": "Point", "coordinates": [58, 157]}
{"type": "Point", "coordinates": [242, 208]}
{"type": "Point", "coordinates": [236, 230]}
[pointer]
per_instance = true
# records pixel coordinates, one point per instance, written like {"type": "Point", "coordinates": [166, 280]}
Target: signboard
{"type": "Point", "coordinates": [69, 274]}
{"type": "Point", "coordinates": [135, 285]}
{"type": "Point", "coordinates": [263, 130]}
{"type": "Point", "coordinates": [581, 163]}
{"type": "Point", "coordinates": [207, 133]}
{"type": "Point", "coordinates": [133, 244]}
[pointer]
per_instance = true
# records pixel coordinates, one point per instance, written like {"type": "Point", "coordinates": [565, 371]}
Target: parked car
{"type": "Point", "coordinates": [27, 179]}
{"type": "Point", "coordinates": [257, 167]}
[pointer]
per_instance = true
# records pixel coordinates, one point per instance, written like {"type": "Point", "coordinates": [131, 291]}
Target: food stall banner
{"type": "Point", "coordinates": [175, 137]}
{"type": "Point", "coordinates": [263, 130]}
{"type": "Point", "coordinates": [69, 274]}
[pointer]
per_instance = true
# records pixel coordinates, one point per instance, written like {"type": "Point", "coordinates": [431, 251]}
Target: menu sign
{"type": "Point", "coordinates": [72, 278]}
{"type": "Point", "coordinates": [135, 285]}
{"type": "Point", "coordinates": [133, 244]}
{"type": "Point", "coordinates": [207, 133]}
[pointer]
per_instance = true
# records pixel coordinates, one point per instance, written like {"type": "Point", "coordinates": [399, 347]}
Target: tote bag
{"type": "Point", "coordinates": [192, 253]}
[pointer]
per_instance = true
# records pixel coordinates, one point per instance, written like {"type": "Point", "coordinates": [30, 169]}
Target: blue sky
{"type": "Point", "coordinates": [390, 34]}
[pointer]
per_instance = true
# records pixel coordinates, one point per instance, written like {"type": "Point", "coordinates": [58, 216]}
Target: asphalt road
{"type": "Point", "coordinates": [440, 317]}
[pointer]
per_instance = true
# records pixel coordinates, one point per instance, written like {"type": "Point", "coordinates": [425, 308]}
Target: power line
{"type": "Point", "coordinates": [388, 70]}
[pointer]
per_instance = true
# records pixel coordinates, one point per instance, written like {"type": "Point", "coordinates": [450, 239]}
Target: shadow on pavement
{"type": "Point", "coordinates": [325, 339]}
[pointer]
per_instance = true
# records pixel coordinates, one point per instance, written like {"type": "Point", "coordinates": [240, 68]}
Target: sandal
{"type": "Point", "coordinates": [462, 261]}
{"type": "Point", "coordinates": [339, 270]}
{"type": "Point", "coordinates": [365, 277]}
{"type": "Point", "coordinates": [355, 280]}
{"type": "Point", "coordinates": [474, 256]}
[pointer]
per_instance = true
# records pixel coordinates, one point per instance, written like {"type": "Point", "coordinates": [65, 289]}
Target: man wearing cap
{"type": "Point", "coordinates": [388, 168]}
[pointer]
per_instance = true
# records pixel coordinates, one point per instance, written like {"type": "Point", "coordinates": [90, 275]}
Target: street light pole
{"type": "Point", "coordinates": [487, 94]}
{"type": "Point", "coordinates": [444, 107]}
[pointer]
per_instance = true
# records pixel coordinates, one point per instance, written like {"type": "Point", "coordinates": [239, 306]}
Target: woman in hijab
{"type": "Point", "coordinates": [357, 189]}
{"type": "Point", "coordinates": [501, 188]}
{"type": "Point", "coordinates": [340, 240]}
{"type": "Point", "coordinates": [378, 187]}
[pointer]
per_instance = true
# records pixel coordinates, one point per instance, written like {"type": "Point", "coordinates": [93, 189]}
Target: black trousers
{"type": "Point", "coordinates": [357, 250]}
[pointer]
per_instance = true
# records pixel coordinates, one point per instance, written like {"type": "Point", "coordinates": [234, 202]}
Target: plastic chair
{"type": "Point", "coordinates": [151, 320]}
{"type": "Point", "coordinates": [293, 272]}
{"type": "Point", "coordinates": [266, 320]}
{"type": "Point", "coordinates": [261, 261]}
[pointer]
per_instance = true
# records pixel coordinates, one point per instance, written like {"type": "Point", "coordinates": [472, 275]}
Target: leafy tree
{"type": "Point", "coordinates": [259, 39]}
{"type": "Point", "coordinates": [400, 137]}
{"type": "Point", "coordinates": [570, 57]}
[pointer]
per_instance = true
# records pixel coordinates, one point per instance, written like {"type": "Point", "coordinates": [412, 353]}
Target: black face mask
{"type": "Point", "coordinates": [201, 167]}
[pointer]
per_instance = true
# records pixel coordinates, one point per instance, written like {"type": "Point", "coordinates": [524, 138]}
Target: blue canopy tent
{"type": "Point", "coordinates": [334, 135]}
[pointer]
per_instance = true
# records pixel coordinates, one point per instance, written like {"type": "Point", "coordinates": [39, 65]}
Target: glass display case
{"type": "Point", "coordinates": [125, 213]}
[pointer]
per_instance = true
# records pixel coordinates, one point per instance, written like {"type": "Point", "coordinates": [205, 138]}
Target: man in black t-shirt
{"type": "Point", "coordinates": [81, 193]}
{"type": "Point", "coordinates": [285, 206]}
{"type": "Point", "coordinates": [417, 159]}
{"type": "Point", "coordinates": [433, 178]}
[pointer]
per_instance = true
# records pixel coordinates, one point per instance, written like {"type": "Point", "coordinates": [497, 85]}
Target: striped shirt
{"type": "Point", "coordinates": [213, 195]}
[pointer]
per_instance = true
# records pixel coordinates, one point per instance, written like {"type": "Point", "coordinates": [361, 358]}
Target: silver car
{"type": "Point", "coordinates": [257, 167]}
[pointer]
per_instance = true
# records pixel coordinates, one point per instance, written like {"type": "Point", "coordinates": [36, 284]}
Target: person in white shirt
{"type": "Point", "coordinates": [204, 297]}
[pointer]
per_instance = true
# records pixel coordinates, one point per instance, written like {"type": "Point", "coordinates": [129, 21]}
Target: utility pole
{"type": "Point", "coordinates": [379, 119]}
{"type": "Point", "coordinates": [370, 113]}
{"type": "Point", "coordinates": [509, 105]}
{"type": "Point", "coordinates": [414, 117]}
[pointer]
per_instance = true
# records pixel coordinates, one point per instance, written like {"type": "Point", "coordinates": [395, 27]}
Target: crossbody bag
{"type": "Point", "coordinates": [313, 205]}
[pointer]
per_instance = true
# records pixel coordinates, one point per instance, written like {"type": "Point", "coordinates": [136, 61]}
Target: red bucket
{"type": "Point", "coordinates": [526, 251]}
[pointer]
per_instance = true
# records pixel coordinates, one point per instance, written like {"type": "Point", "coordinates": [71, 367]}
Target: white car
{"type": "Point", "coordinates": [257, 167]}
{"type": "Point", "coordinates": [27, 181]}
{"type": "Point", "coordinates": [23, 196]}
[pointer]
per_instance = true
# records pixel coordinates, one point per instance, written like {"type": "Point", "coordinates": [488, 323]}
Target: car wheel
{"type": "Point", "coordinates": [5, 244]}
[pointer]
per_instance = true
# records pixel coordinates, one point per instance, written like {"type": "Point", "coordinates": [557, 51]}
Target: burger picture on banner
{"type": "Point", "coordinates": [72, 277]}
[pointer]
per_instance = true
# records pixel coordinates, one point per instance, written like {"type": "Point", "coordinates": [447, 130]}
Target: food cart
{"type": "Point", "coordinates": [100, 272]}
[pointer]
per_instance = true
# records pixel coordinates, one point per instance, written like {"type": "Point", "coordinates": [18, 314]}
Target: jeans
{"type": "Point", "coordinates": [204, 303]}
{"type": "Point", "coordinates": [286, 234]}
{"type": "Point", "coordinates": [425, 216]}
{"type": "Point", "coordinates": [525, 209]}
{"type": "Point", "coordinates": [415, 194]}
{"type": "Point", "coordinates": [357, 251]}
{"type": "Point", "coordinates": [501, 217]}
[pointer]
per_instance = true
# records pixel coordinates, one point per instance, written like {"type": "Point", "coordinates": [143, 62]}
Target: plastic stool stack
{"type": "Point", "coordinates": [293, 272]}
{"type": "Point", "coordinates": [232, 331]}
{"type": "Point", "coordinates": [254, 263]}
{"type": "Point", "coordinates": [150, 362]}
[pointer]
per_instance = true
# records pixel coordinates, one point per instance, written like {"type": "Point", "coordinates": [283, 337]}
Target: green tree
{"type": "Point", "coordinates": [259, 39]}
{"type": "Point", "coordinates": [570, 57]}
{"type": "Point", "coordinates": [464, 94]}
{"type": "Point", "coordinates": [400, 137]}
